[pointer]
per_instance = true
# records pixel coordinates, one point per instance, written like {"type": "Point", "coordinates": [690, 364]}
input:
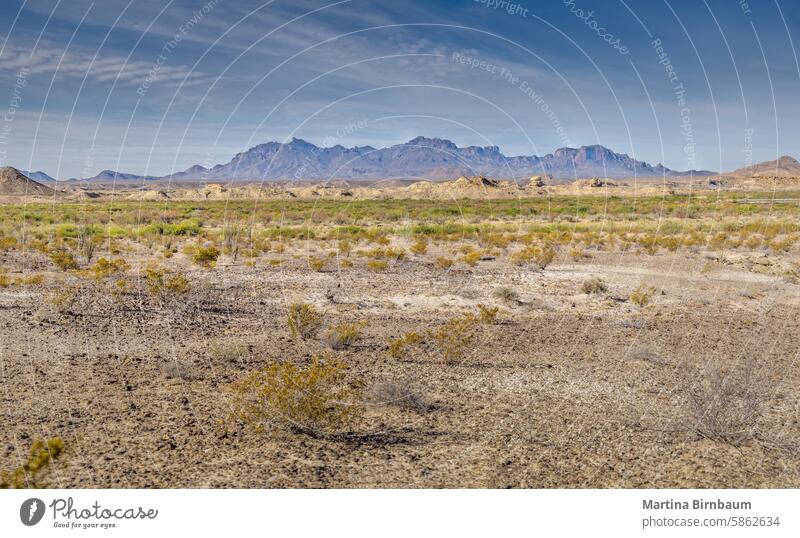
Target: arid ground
{"type": "Point", "coordinates": [583, 339]}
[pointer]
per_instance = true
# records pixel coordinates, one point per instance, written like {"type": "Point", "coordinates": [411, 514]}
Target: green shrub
{"type": "Point", "coordinates": [206, 256]}
{"type": "Point", "coordinates": [40, 456]}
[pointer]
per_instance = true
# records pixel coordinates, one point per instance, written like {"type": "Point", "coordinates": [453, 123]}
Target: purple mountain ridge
{"type": "Point", "coordinates": [419, 158]}
{"type": "Point", "coordinates": [422, 158]}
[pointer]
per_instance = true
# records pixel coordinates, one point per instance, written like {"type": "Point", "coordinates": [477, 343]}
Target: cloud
{"type": "Point", "coordinates": [52, 61]}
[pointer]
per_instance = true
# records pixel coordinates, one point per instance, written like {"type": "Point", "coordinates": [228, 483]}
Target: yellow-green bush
{"type": "Point", "coordinates": [397, 346]}
{"type": "Point", "coordinates": [64, 260]}
{"type": "Point", "coordinates": [206, 256]}
{"type": "Point", "coordinates": [39, 457]}
{"type": "Point", "coordinates": [314, 399]}
{"type": "Point", "coordinates": [345, 334]}
{"type": "Point", "coordinates": [642, 295]}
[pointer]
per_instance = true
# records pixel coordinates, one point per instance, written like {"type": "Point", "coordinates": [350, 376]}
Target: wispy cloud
{"type": "Point", "coordinates": [49, 60]}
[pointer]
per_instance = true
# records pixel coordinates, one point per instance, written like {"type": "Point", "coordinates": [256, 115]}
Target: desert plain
{"type": "Point", "coordinates": [471, 334]}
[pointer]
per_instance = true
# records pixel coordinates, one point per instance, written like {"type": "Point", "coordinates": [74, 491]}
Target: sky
{"type": "Point", "coordinates": [155, 86]}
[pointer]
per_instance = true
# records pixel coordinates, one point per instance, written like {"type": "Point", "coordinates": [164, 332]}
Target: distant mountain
{"type": "Point", "coordinates": [37, 176]}
{"type": "Point", "coordinates": [429, 158]}
{"type": "Point", "coordinates": [111, 175]}
{"type": "Point", "coordinates": [785, 166]}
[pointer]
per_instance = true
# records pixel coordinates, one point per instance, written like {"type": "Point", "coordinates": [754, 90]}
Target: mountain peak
{"type": "Point", "coordinates": [299, 142]}
{"type": "Point", "coordinates": [438, 143]}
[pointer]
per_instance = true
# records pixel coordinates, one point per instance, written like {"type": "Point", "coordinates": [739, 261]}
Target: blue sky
{"type": "Point", "coordinates": [151, 86]}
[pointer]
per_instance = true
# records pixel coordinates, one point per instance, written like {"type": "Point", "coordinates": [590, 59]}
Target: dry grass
{"type": "Point", "coordinates": [594, 286]}
{"type": "Point", "coordinates": [642, 295]}
{"type": "Point", "coordinates": [726, 399]}
{"type": "Point", "coordinates": [345, 335]}
{"type": "Point", "coordinates": [403, 392]}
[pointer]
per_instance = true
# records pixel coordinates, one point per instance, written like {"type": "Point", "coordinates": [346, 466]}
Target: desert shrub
{"type": "Point", "coordinates": [444, 263]}
{"type": "Point", "coordinates": [304, 320]}
{"type": "Point", "coordinates": [64, 260]}
{"type": "Point", "coordinates": [471, 258]}
{"type": "Point", "coordinates": [206, 256]}
{"type": "Point", "coordinates": [345, 334]}
{"type": "Point", "coordinates": [164, 285]}
{"type": "Point", "coordinates": [420, 246]}
{"type": "Point", "coordinates": [782, 245]}
{"type": "Point", "coordinates": [345, 247]}
{"type": "Point", "coordinates": [30, 280]}
{"type": "Point", "coordinates": [7, 243]}
{"type": "Point", "coordinates": [647, 354]}
{"type": "Point", "coordinates": [231, 236]}
{"type": "Point", "coordinates": [540, 256]}
{"type": "Point", "coordinates": [577, 253]}
{"type": "Point", "coordinates": [506, 294]}
{"type": "Point", "coordinates": [63, 298]}
{"type": "Point", "coordinates": [402, 392]}
{"type": "Point", "coordinates": [176, 370]}
{"type": "Point", "coordinates": [39, 457]}
{"type": "Point", "coordinates": [717, 241]}
{"type": "Point", "coordinates": [104, 268]}
{"type": "Point", "coordinates": [313, 399]}
{"type": "Point", "coordinates": [397, 254]}
{"type": "Point", "coordinates": [753, 241]}
{"type": "Point", "coordinates": [228, 350]}
{"type": "Point", "coordinates": [642, 295]}
{"type": "Point", "coordinates": [488, 314]}
{"type": "Point", "coordinates": [726, 401]}
{"type": "Point", "coordinates": [594, 285]}
{"type": "Point", "coordinates": [345, 263]}
{"type": "Point", "coordinates": [398, 346]}
{"type": "Point", "coordinates": [455, 338]}
{"type": "Point", "coordinates": [317, 264]}
{"type": "Point", "coordinates": [377, 266]}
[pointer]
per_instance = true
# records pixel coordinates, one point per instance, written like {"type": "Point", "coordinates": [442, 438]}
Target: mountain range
{"type": "Point", "coordinates": [419, 158]}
